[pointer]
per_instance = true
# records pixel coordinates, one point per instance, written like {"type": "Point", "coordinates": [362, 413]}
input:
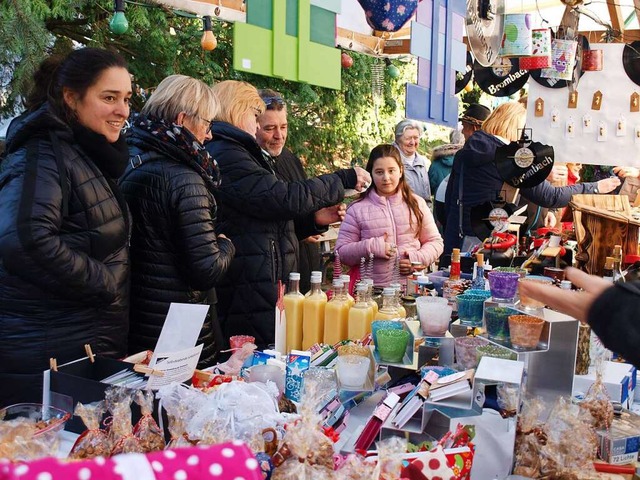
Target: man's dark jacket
{"type": "Point", "coordinates": [257, 212]}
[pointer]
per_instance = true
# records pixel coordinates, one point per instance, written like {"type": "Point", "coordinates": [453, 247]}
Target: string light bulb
{"type": "Point", "coordinates": [392, 70]}
{"type": "Point", "coordinates": [119, 23]}
{"type": "Point", "coordinates": [208, 41]}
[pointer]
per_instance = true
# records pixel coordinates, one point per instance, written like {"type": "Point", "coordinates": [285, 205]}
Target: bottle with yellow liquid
{"type": "Point", "coordinates": [318, 274]}
{"type": "Point", "coordinates": [336, 315]}
{"type": "Point", "coordinates": [313, 314]}
{"type": "Point", "coordinates": [347, 280]}
{"type": "Point", "coordinates": [359, 314]}
{"type": "Point", "coordinates": [293, 301]}
{"type": "Point", "coordinates": [372, 303]}
{"type": "Point", "coordinates": [402, 312]}
{"type": "Point", "coordinates": [389, 308]}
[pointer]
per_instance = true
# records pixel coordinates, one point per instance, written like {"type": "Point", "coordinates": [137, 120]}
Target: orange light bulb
{"type": "Point", "coordinates": [208, 41]}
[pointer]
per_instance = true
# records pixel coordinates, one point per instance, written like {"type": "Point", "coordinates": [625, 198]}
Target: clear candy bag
{"type": "Point", "coordinates": [94, 441]}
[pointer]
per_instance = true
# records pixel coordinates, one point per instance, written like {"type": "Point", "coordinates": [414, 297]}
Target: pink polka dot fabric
{"type": "Point", "coordinates": [232, 461]}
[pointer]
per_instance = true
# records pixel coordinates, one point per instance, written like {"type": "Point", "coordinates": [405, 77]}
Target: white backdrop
{"type": "Point", "coordinates": [582, 145]}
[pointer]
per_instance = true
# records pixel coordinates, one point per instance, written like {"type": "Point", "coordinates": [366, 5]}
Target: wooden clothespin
{"type": "Point", "coordinates": [53, 364]}
{"type": "Point", "coordinates": [147, 370]}
{"type": "Point", "coordinates": [90, 355]}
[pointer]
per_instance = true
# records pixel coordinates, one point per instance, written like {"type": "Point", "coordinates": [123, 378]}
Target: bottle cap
{"type": "Point", "coordinates": [345, 278]}
{"type": "Point", "coordinates": [565, 285]}
{"type": "Point", "coordinates": [389, 291]}
{"type": "Point", "coordinates": [294, 276]}
{"type": "Point", "coordinates": [423, 279]}
{"type": "Point", "coordinates": [337, 283]}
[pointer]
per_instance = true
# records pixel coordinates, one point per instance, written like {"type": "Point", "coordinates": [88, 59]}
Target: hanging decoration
{"type": "Point", "coordinates": [209, 41]}
{"type": "Point", "coordinates": [119, 23]}
{"type": "Point", "coordinates": [389, 15]}
{"type": "Point", "coordinates": [278, 41]}
{"type": "Point", "coordinates": [436, 39]}
{"type": "Point", "coordinates": [391, 69]}
{"type": "Point", "coordinates": [540, 52]}
{"type": "Point", "coordinates": [345, 60]}
{"type": "Point", "coordinates": [517, 36]}
{"type": "Point", "coordinates": [485, 25]}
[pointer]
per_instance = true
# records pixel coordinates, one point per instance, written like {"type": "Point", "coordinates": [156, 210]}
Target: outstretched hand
{"type": "Point", "coordinates": [607, 185]}
{"type": "Point", "coordinates": [363, 179]}
{"type": "Point", "coordinates": [328, 215]}
{"type": "Point", "coordinates": [574, 304]}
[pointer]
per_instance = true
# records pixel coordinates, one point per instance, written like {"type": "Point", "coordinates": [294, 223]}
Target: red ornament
{"type": "Point", "coordinates": [346, 60]}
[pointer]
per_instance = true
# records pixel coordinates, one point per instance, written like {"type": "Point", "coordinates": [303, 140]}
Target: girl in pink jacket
{"type": "Point", "coordinates": [388, 220]}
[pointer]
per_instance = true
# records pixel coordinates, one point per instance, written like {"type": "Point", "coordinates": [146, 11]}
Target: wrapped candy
{"type": "Point", "coordinates": [93, 442]}
{"type": "Point", "coordinates": [147, 430]}
{"type": "Point", "coordinates": [530, 438]}
{"type": "Point", "coordinates": [597, 401]}
{"type": "Point", "coordinates": [180, 402]}
{"type": "Point", "coordinates": [20, 441]}
{"type": "Point", "coordinates": [571, 443]}
{"type": "Point", "coordinates": [390, 453]}
{"type": "Point", "coordinates": [121, 433]}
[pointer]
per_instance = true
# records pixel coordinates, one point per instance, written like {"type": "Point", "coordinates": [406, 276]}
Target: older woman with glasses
{"type": "Point", "coordinates": [258, 212]}
{"type": "Point", "coordinates": [176, 255]}
{"type": "Point", "coordinates": [416, 166]}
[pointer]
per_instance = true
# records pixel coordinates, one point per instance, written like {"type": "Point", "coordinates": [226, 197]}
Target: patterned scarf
{"type": "Point", "coordinates": [180, 137]}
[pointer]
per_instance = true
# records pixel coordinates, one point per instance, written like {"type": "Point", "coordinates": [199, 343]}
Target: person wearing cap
{"type": "Point", "coordinates": [473, 118]}
{"type": "Point", "coordinates": [272, 137]}
{"type": "Point", "coordinates": [475, 179]}
{"type": "Point", "coordinates": [416, 166]}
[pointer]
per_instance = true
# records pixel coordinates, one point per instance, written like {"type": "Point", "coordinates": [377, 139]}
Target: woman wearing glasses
{"type": "Point", "coordinates": [176, 255]}
{"type": "Point", "coordinates": [258, 212]}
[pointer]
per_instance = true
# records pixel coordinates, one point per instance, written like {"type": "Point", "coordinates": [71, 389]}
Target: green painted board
{"type": "Point", "coordinates": [259, 13]}
{"type": "Point", "coordinates": [292, 17]}
{"type": "Point", "coordinates": [252, 49]}
{"type": "Point", "coordinates": [285, 47]}
{"type": "Point", "coordinates": [323, 26]}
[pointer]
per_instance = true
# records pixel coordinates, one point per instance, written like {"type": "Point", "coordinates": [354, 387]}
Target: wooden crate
{"type": "Point", "coordinates": [602, 221]}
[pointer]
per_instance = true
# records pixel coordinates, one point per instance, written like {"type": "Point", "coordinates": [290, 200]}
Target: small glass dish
{"type": "Point", "coordinates": [46, 419]}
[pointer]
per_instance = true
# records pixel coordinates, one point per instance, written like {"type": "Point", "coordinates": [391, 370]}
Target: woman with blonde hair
{"type": "Point", "coordinates": [475, 179]}
{"type": "Point", "coordinates": [258, 212]}
{"type": "Point", "coordinates": [176, 255]}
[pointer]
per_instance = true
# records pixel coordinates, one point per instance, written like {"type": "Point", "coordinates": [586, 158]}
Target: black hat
{"type": "Point", "coordinates": [475, 114]}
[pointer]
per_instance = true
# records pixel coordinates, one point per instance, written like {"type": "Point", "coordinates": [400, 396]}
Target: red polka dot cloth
{"type": "Point", "coordinates": [227, 461]}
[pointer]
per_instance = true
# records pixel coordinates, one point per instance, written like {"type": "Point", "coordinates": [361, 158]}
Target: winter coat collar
{"type": "Point", "coordinates": [37, 122]}
{"type": "Point", "coordinates": [442, 153]}
{"type": "Point", "coordinates": [382, 200]}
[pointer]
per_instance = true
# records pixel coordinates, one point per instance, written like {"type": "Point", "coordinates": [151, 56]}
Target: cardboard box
{"type": "Point", "coordinates": [619, 380]}
{"type": "Point", "coordinates": [620, 443]}
{"type": "Point", "coordinates": [79, 381]}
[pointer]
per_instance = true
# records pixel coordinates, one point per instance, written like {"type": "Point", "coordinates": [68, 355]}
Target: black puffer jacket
{"type": "Point", "coordinates": [64, 278]}
{"type": "Point", "coordinates": [175, 255]}
{"type": "Point", "coordinates": [257, 212]}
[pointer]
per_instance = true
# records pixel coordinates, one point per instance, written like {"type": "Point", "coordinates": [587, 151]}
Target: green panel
{"type": "Point", "coordinates": [252, 49]}
{"type": "Point", "coordinates": [331, 5]}
{"type": "Point", "coordinates": [259, 13]}
{"type": "Point", "coordinates": [285, 47]}
{"type": "Point", "coordinates": [323, 69]}
{"type": "Point", "coordinates": [323, 26]}
{"type": "Point", "coordinates": [292, 17]}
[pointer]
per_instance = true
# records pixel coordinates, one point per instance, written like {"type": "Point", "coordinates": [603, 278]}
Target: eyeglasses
{"type": "Point", "coordinates": [208, 122]}
{"type": "Point", "coordinates": [258, 111]}
{"type": "Point", "coordinates": [271, 101]}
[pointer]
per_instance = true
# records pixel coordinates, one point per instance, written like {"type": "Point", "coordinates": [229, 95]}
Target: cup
{"type": "Point", "coordinates": [265, 373]}
{"type": "Point", "coordinates": [497, 322]}
{"type": "Point", "coordinates": [528, 303]}
{"type": "Point", "coordinates": [321, 381]}
{"type": "Point", "coordinates": [478, 293]}
{"type": "Point", "coordinates": [470, 308]}
{"type": "Point", "coordinates": [525, 331]}
{"type": "Point", "coordinates": [383, 324]}
{"type": "Point", "coordinates": [494, 351]}
{"type": "Point", "coordinates": [434, 314]}
{"type": "Point", "coordinates": [557, 274]}
{"type": "Point", "coordinates": [353, 370]}
{"type": "Point", "coordinates": [237, 341]}
{"type": "Point", "coordinates": [503, 285]}
{"type": "Point", "coordinates": [392, 345]}
{"type": "Point", "coordinates": [466, 351]}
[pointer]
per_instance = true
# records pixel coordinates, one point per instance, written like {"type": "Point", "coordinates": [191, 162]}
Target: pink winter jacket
{"type": "Point", "coordinates": [362, 232]}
